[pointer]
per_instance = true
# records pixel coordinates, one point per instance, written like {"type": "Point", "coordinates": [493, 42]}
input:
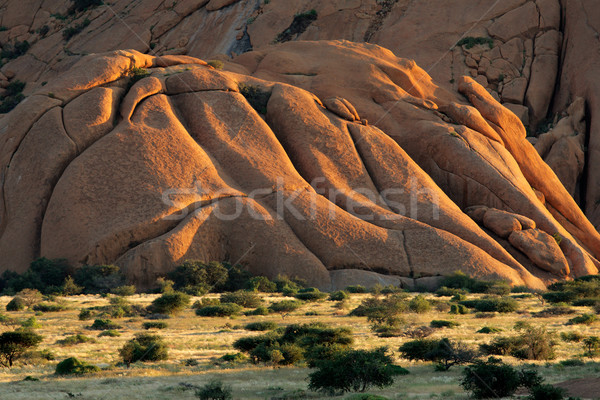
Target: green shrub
{"type": "Point", "coordinates": [216, 64]}
{"type": "Point", "coordinates": [49, 307]}
{"type": "Point", "coordinates": [489, 329]}
{"type": "Point", "coordinates": [353, 370]}
{"type": "Point", "coordinates": [258, 311]}
{"type": "Point", "coordinates": [125, 290]}
{"type": "Point", "coordinates": [236, 358]}
{"type": "Point", "coordinates": [12, 51]}
{"type": "Point", "coordinates": [498, 304]}
{"type": "Point", "coordinates": [547, 392]}
{"type": "Point", "coordinates": [310, 294]}
{"type": "Point", "coordinates": [458, 309]}
{"type": "Point", "coordinates": [99, 278]}
{"type": "Point", "coordinates": [592, 346]}
{"type": "Point", "coordinates": [443, 351]}
{"type": "Point", "coordinates": [553, 311]}
{"type": "Point", "coordinates": [571, 336]}
{"type": "Point", "coordinates": [243, 298]}
{"type": "Point", "coordinates": [446, 291]}
{"type": "Point", "coordinates": [261, 284]}
{"type": "Point", "coordinates": [144, 347]}
{"type": "Point", "coordinates": [356, 289]}
{"type": "Point", "coordinates": [75, 339]}
{"type": "Point", "coordinates": [205, 302]}
{"type": "Point", "coordinates": [72, 366]}
{"type": "Point", "coordinates": [261, 326]}
{"type": "Point", "coordinates": [584, 319]}
{"type": "Point", "coordinates": [197, 278]}
{"type": "Point", "coordinates": [534, 343]}
{"type": "Point", "coordinates": [221, 310]}
{"type": "Point", "coordinates": [82, 5]}
{"type": "Point", "coordinates": [573, 362]}
{"type": "Point", "coordinates": [109, 333]}
{"type": "Point", "coordinates": [459, 280]}
{"type": "Point", "coordinates": [559, 297]}
{"type": "Point", "coordinates": [438, 323]}
{"type": "Point", "coordinates": [104, 325]}
{"type": "Point", "coordinates": [469, 42]}
{"type": "Point", "coordinates": [31, 323]}
{"type": "Point", "coordinates": [170, 303]}
{"type": "Point", "coordinates": [154, 325]}
{"type": "Point", "coordinates": [16, 304]}
{"type": "Point", "coordinates": [285, 307]}
{"type": "Point", "coordinates": [338, 296]}
{"type": "Point", "coordinates": [14, 344]}
{"type": "Point", "coordinates": [298, 26]}
{"type": "Point", "coordinates": [419, 304]}
{"type": "Point", "coordinates": [214, 390]}
{"type": "Point", "coordinates": [71, 31]}
{"type": "Point", "coordinates": [490, 379]}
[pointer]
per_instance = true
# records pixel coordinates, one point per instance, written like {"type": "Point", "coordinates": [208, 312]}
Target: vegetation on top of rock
{"type": "Point", "coordinates": [71, 31]}
{"type": "Point", "coordinates": [469, 42]}
{"type": "Point", "coordinates": [256, 96]}
{"type": "Point", "coordinates": [82, 5]}
{"type": "Point", "coordinates": [12, 96]}
{"type": "Point", "coordinates": [297, 27]}
{"type": "Point", "coordinates": [12, 51]}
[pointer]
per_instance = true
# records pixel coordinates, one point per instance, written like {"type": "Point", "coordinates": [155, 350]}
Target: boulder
{"type": "Point", "coordinates": [500, 222]}
{"type": "Point", "coordinates": [541, 249]}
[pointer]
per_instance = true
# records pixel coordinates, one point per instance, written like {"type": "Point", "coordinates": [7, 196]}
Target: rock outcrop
{"type": "Point", "coordinates": [249, 165]}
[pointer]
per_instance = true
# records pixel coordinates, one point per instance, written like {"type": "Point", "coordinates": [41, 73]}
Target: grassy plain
{"type": "Point", "coordinates": [196, 344]}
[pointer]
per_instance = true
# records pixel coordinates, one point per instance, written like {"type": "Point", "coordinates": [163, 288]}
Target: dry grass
{"type": "Point", "coordinates": [206, 339]}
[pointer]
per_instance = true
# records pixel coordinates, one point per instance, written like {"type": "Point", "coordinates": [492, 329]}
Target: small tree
{"type": "Point", "coordinates": [16, 304]}
{"type": "Point", "coordinates": [243, 298]}
{"type": "Point", "coordinates": [170, 303]}
{"type": "Point", "coordinates": [444, 352]}
{"type": "Point", "coordinates": [490, 379]}
{"type": "Point", "coordinates": [592, 345]}
{"type": "Point", "coordinates": [14, 344]}
{"type": "Point", "coordinates": [144, 347]}
{"type": "Point", "coordinates": [285, 307]}
{"type": "Point", "coordinates": [353, 370]}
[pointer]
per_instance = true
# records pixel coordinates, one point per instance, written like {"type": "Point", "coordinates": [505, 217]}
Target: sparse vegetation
{"type": "Point", "coordinates": [469, 42]}
{"type": "Point", "coordinates": [297, 27]}
{"type": "Point", "coordinates": [256, 97]}
{"type": "Point", "coordinates": [71, 31]}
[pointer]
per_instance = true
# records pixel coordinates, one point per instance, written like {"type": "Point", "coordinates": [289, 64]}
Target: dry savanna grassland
{"type": "Point", "coordinates": [196, 344]}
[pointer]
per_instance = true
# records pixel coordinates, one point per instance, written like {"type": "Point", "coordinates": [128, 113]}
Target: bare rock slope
{"type": "Point", "coordinates": [332, 161]}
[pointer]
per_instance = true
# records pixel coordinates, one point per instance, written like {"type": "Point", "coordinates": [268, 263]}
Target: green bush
{"type": "Point", "coordinates": [572, 336]}
{"type": "Point", "coordinates": [170, 303]}
{"type": "Point", "coordinates": [125, 290]}
{"type": "Point", "coordinates": [261, 284]}
{"type": "Point", "coordinates": [459, 280]}
{"type": "Point", "coordinates": [47, 276]}
{"type": "Point", "coordinates": [82, 5]}
{"type": "Point", "coordinates": [99, 278]}
{"type": "Point", "coordinates": [489, 329]}
{"type": "Point", "coordinates": [261, 326]}
{"type": "Point", "coordinates": [439, 323]}
{"type": "Point", "coordinates": [469, 42]}
{"type": "Point", "coordinates": [72, 366]}
{"type": "Point", "coordinates": [353, 370]}
{"type": "Point", "coordinates": [592, 346]}
{"type": "Point", "coordinates": [258, 311]}
{"type": "Point", "coordinates": [31, 323]}
{"type": "Point", "coordinates": [498, 304]}
{"type": "Point", "coordinates": [71, 31]}
{"type": "Point", "coordinates": [75, 339]}
{"type": "Point", "coordinates": [109, 333]}
{"type": "Point", "coordinates": [443, 351]}
{"type": "Point", "coordinates": [547, 392]}
{"type": "Point", "coordinates": [243, 298]}
{"type": "Point", "coordinates": [584, 319]}
{"type": "Point", "coordinates": [16, 304]}
{"type": "Point", "coordinates": [221, 310]}
{"type": "Point", "coordinates": [458, 309]}
{"type": "Point", "coordinates": [534, 343]}
{"type": "Point", "coordinates": [310, 294]}
{"type": "Point", "coordinates": [299, 24]}
{"type": "Point", "coordinates": [14, 344]}
{"type": "Point", "coordinates": [154, 325]}
{"type": "Point", "coordinates": [12, 51]}
{"type": "Point", "coordinates": [49, 307]}
{"type": "Point", "coordinates": [104, 325]}
{"type": "Point", "coordinates": [236, 358]}
{"type": "Point", "coordinates": [214, 390]}
{"type": "Point", "coordinates": [356, 289]}
{"type": "Point", "coordinates": [553, 311]}
{"type": "Point", "coordinates": [338, 296]}
{"type": "Point", "coordinates": [419, 304]}
{"type": "Point", "coordinates": [490, 379]}
{"type": "Point", "coordinates": [284, 307]}
{"type": "Point", "coordinates": [144, 347]}
{"type": "Point", "coordinates": [446, 291]}
{"type": "Point", "coordinates": [205, 302]}
{"type": "Point", "coordinates": [256, 96]}
{"type": "Point", "coordinates": [198, 278]}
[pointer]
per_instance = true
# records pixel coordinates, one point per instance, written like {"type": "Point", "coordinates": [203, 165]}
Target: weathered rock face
{"type": "Point", "coordinates": [252, 167]}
